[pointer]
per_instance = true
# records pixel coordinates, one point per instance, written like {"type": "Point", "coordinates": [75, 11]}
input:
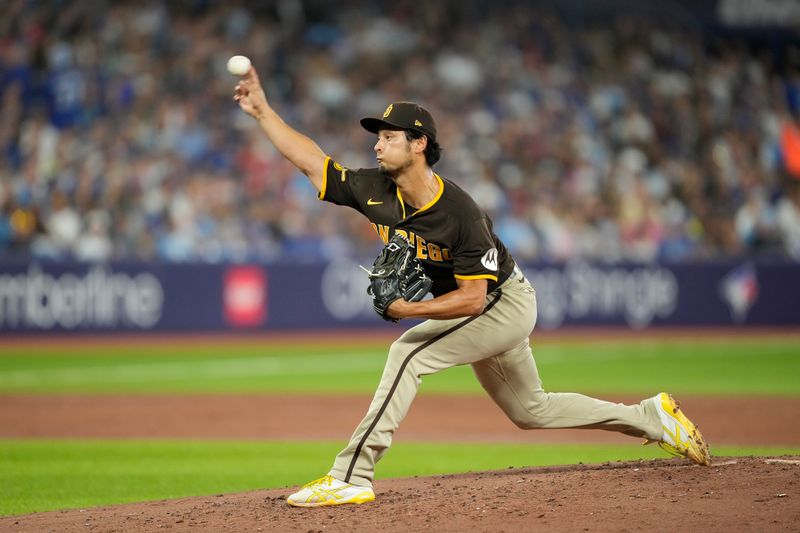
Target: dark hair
{"type": "Point", "coordinates": [432, 150]}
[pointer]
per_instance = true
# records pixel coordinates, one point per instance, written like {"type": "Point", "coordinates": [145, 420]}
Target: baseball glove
{"type": "Point", "coordinates": [396, 273]}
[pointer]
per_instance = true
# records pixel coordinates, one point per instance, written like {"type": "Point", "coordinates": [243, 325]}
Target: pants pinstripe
{"type": "Point", "coordinates": [495, 343]}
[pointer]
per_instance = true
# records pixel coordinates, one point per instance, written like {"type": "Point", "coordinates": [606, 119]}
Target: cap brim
{"type": "Point", "coordinates": [374, 125]}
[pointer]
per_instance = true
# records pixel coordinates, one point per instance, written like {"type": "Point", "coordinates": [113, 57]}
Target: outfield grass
{"type": "Point", "coordinates": [47, 475]}
{"type": "Point", "coordinates": [735, 366]}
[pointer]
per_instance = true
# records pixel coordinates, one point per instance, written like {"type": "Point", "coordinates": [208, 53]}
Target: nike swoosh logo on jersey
{"type": "Point", "coordinates": [373, 202]}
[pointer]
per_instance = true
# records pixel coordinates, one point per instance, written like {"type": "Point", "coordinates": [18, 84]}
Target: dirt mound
{"type": "Point", "coordinates": [735, 494]}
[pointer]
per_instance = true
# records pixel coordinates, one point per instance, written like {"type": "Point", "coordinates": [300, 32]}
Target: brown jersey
{"type": "Point", "coordinates": [453, 237]}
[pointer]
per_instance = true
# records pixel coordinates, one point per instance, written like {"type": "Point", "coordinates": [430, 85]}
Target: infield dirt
{"type": "Point", "coordinates": [723, 420]}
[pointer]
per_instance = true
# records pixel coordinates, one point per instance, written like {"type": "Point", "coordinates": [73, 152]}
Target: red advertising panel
{"type": "Point", "coordinates": [245, 296]}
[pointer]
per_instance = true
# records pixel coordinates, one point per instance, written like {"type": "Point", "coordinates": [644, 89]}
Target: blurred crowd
{"type": "Point", "coordinates": [616, 139]}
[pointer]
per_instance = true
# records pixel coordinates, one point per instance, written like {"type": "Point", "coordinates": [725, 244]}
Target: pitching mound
{"type": "Point", "coordinates": [735, 494]}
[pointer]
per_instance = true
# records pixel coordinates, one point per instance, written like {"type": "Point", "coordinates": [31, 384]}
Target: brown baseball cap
{"type": "Point", "coordinates": [404, 116]}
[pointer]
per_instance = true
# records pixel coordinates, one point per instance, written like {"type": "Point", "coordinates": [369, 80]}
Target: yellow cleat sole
{"type": "Point", "coordinates": [366, 498]}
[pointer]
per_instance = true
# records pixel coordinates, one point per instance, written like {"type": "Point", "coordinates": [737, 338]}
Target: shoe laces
{"type": "Point", "coordinates": [324, 480]}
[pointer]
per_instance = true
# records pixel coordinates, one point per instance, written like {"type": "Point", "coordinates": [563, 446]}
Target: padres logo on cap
{"type": "Point", "coordinates": [388, 111]}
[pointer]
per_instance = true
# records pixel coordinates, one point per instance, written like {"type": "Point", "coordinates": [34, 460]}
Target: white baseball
{"type": "Point", "coordinates": [239, 65]}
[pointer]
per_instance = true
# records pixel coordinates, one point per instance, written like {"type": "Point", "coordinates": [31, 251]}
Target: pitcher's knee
{"type": "Point", "coordinates": [531, 415]}
{"type": "Point", "coordinates": [527, 423]}
{"type": "Point", "coordinates": [528, 420]}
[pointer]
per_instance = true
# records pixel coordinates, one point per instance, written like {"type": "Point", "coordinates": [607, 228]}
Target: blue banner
{"type": "Point", "coordinates": [128, 297]}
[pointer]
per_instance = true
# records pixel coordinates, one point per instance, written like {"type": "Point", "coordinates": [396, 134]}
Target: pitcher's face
{"type": "Point", "coordinates": [393, 152]}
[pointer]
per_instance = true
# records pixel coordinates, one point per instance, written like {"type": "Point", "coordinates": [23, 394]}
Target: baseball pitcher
{"type": "Point", "coordinates": [483, 308]}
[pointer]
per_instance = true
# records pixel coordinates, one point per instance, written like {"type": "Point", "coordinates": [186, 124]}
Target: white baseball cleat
{"type": "Point", "coordinates": [681, 437]}
{"type": "Point", "coordinates": [329, 491]}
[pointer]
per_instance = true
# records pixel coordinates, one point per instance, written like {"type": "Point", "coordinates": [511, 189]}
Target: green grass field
{"type": "Point", "coordinates": [37, 475]}
{"type": "Point", "coordinates": [757, 365]}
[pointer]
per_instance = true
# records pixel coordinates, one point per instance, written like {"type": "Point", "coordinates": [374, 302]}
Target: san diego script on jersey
{"type": "Point", "coordinates": [452, 236]}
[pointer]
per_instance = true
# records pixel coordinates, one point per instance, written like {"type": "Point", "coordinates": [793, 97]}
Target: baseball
{"type": "Point", "coordinates": [239, 65]}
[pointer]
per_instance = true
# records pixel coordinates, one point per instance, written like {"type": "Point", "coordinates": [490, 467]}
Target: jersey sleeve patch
{"type": "Point", "coordinates": [489, 260]}
{"type": "Point", "coordinates": [476, 256]}
{"type": "Point", "coordinates": [337, 186]}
